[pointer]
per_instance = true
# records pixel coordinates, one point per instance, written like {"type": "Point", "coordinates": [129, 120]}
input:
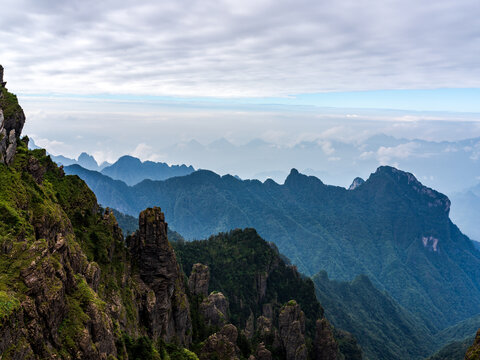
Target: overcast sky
{"type": "Point", "coordinates": [208, 69]}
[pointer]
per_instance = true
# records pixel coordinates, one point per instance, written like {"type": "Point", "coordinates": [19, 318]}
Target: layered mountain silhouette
{"type": "Point", "coordinates": [132, 171]}
{"type": "Point", "coordinates": [390, 228]}
{"type": "Point", "coordinates": [128, 169]}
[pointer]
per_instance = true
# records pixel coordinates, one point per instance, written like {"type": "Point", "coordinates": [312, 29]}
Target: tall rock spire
{"type": "Point", "coordinates": [166, 310]}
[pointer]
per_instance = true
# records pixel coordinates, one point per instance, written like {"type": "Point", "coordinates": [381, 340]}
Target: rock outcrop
{"type": "Point", "coordinates": [325, 346]}
{"type": "Point", "coordinates": [164, 304]}
{"type": "Point", "coordinates": [12, 119]}
{"type": "Point", "coordinates": [262, 353]}
{"type": "Point", "coordinates": [199, 280]}
{"type": "Point", "coordinates": [291, 325]}
{"type": "Point", "coordinates": [356, 183]}
{"type": "Point", "coordinates": [214, 309]}
{"type": "Point", "coordinates": [71, 289]}
{"type": "Point", "coordinates": [222, 345]}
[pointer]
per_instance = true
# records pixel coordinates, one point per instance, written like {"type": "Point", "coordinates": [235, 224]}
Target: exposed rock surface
{"type": "Point", "coordinates": [325, 345]}
{"type": "Point", "coordinates": [214, 309]}
{"type": "Point", "coordinates": [165, 308]}
{"type": "Point", "coordinates": [291, 324]}
{"type": "Point", "coordinates": [12, 120]}
{"type": "Point", "coordinates": [356, 183]}
{"type": "Point", "coordinates": [199, 280]}
{"type": "Point", "coordinates": [71, 289]}
{"type": "Point", "coordinates": [262, 353]}
{"type": "Point", "coordinates": [222, 345]}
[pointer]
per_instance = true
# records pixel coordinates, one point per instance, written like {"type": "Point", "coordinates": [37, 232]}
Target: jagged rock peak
{"type": "Point", "coordinates": [12, 119]}
{"type": "Point", "coordinates": [356, 183]}
{"type": "Point", "coordinates": [199, 280]}
{"type": "Point", "coordinates": [167, 310]}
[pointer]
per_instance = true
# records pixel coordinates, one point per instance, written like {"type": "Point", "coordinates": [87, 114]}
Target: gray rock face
{"type": "Point", "coordinates": [263, 353]}
{"type": "Point", "coordinates": [356, 183]}
{"type": "Point", "coordinates": [199, 280]}
{"type": "Point", "coordinates": [222, 345]}
{"type": "Point", "coordinates": [11, 124]}
{"type": "Point", "coordinates": [214, 309]}
{"type": "Point", "coordinates": [164, 305]}
{"type": "Point", "coordinates": [264, 325]}
{"type": "Point", "coordinates": [291, 323]}
{"type": "Point", "coordinates": [325, 345]}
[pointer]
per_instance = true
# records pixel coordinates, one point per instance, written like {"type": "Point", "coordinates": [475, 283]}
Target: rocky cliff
{"type": "Point", "coordinates": [71, 286]}
{"type": "Point", "coordinates": [12, 120]}
{"type": "Point", "coordinates": [272, 307]}
{"type": "Point", "coordinates": [164, 307]}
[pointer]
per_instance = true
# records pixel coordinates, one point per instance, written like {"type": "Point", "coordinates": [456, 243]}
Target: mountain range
{"type": "Point", "coordinates": [73, 287]}
{"type": "Point", "coordinates": [128, 169]}
{"type": "Point", "coordinates": [394, 273]}
{"type": "Point", "coordinates": [391, 228]}
{"type": "Point", "coordinates": [336, 160]}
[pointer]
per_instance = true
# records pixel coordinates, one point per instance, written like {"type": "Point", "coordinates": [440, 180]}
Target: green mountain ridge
{"type": "Point", "coordinates": [382, 327]}
{"type": "Point", "coordinates": [391, 228]}
{"type": "Point", "coordinates": [71, 286]}
{"type": "Point", "coordinates": [255, 279]}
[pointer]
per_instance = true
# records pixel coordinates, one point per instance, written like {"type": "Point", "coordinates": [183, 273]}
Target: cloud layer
{"type": "Point", "coordinates": [238, 48]}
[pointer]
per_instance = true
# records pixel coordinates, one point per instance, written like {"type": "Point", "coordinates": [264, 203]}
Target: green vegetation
{"type": "Point", "coordinates": [381, 326]}
{"type": "Point", "coordinates": [34, 216]}
{"type": "Point", "coordinates": [378, 230]}
{"type": "Point", "coordinates": [453, 351]}
{"type": "Point", "coordinates": [237, 261]}
{"type": "Point", "coordinates": [143, 348]}
{"type": "Point", "coordinates": [9, 103]}
{"type": "Point", "coordinates": [8, 304]}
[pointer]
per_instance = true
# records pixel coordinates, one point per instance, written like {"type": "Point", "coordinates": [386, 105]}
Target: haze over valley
{"type": "Point", "coordinates": [254, 180]}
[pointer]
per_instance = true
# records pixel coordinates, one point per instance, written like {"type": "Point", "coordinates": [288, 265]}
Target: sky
{"type": "Point", "coordinates": [116, 77]}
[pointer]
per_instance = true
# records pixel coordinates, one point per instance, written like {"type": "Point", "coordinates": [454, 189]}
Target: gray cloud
{"type": "Point", "coordinates": [232, 48]}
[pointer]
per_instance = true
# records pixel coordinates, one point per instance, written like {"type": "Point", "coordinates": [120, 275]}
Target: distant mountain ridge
{"type": "Point", "coordinates": [132, 171]}
{"type": "Point", "coordinates": [85, 160]}
{"type": "Point", "coordinates": [128, 169]}
{"type": "Point", "coordinates": [391, 228]}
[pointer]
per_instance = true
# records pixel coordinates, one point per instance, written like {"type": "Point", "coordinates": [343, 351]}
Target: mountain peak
{"type": "Point", "coordinates": [356, 183]}
{"type": "Point", "coordinates": [294, 172]}
{"type": "Point", "coordinates": [128, 159]}
{"type": "Point", "coordinates": [87, 161]}
{"type": "Point", "coordinates": [405, 180]}
{"type": "Point", "coordinates": [295, 178]}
